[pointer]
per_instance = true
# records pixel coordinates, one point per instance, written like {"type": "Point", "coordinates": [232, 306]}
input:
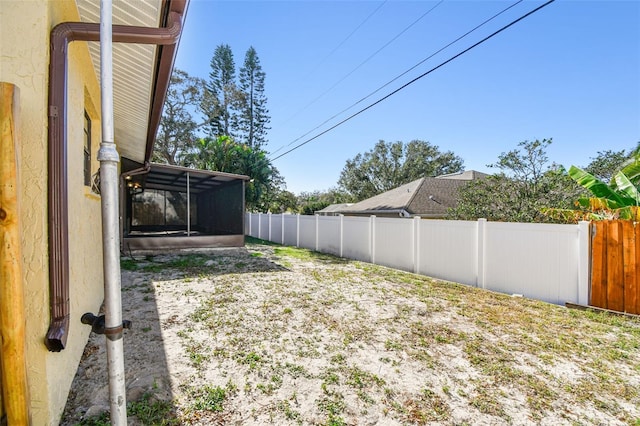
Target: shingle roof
{"type": "Point", "coordinates": [393, 200]}
{"type": "Point", "coordinates": [335, 208]}
{"type": "Point", "coordinates": [428, 196]}
{"type": "Point", "coordinates": [466, 175]}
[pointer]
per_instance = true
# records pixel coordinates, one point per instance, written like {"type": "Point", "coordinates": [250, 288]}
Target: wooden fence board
{"type": "Point", "coordinates": [615, 266]}
{"type": "Point", "coordinates": [630, 266]}
{"type": "Point", "coordinates": [599, 265]}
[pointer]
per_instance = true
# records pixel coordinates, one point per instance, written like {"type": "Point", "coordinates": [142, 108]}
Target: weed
{"type": "Point", "coordinates": [196, 352]}
{"type": "Point", "coordinates": [100, 420]}
{"type": "Point", "coordinates": [487, 403]}
{"type": "Point", "coordinates": [251, 359]}
{"type": "Point", "coordinates": [210, 398]}
{"type": "Point", "coordinates": [128, 264]}
{"type": "Point", "coordinates": [150, 411]}
{"type": "Point", "coordinates": [392, 346]}
{"type": "Point", "coordinates": [286, 409]}
{"type": "Point", "coordinates": [296, 371]}
{"type": "Point", "coordinates": [360, 379]}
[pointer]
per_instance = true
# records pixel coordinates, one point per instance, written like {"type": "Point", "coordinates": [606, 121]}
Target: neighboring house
{"type": "Point", "coordinates": [333, 209]}
{"type": "Point", "coordinates": [466, 175]}
{"type": "Point", "coordinates": [49, 53]}
{"type": "Point", "coordinates": [428, 197]}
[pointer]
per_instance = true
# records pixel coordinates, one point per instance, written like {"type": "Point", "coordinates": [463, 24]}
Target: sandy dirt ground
{"type": "Point", "coordinates": [271, 335]}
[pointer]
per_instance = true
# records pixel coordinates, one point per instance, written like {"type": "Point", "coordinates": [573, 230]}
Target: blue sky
{"type": "Point", "coordinates": [570, 72]}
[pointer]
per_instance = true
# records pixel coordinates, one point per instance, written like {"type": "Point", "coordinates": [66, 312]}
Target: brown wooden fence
{"type": "Point", "coordinates": [615, 265]}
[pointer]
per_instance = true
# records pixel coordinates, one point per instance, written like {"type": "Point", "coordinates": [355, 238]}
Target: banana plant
{"type": "Point", "coordinates": [619, 199]}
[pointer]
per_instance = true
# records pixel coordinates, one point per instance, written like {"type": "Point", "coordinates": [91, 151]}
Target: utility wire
{"type": "Point", "coordinates": [399, 76]}
{"type": "Point", "coordinates": [335, 49]}
{"type": "Point", "coordinates": [364, 62]}
{"type": "Point", "coordinates": [417, 78]}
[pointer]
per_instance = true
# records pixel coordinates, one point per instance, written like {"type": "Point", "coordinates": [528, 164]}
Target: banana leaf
{"type": "Point", "coordinates": [594, 204]}
{"type": "Point", "coordinates": [631, 170]}
{"type": "Point", "coordinates": [597, 187]}
{"type": "Point", "coordinates": [628, 188]}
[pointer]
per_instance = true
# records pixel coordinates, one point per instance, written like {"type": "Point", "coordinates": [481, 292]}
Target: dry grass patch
{"type": "Point", "coordinates": [278, 335]}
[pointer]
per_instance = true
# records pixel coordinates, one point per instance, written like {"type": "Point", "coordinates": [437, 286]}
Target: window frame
{"type": "Point", "coordinates": [87, 149]}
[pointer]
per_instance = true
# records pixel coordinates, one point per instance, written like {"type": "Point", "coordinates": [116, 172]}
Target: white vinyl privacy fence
{"type": "Point", "coordinates": [541, 261]}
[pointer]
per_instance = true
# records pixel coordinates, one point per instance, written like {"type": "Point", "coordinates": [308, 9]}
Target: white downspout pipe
{"type": "Point", "coordinates": [109, 158]}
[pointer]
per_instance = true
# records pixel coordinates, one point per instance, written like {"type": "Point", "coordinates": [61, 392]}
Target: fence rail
{"type": "Point", "coordinates": [541, 261]}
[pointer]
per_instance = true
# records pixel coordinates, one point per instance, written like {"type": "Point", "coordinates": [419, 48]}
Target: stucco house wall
{"type": "Point", "coordinates": [25, 28]}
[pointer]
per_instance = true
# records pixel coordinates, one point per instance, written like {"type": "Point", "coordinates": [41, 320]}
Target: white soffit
{"type": "Point", "coordinates": [133, 72]}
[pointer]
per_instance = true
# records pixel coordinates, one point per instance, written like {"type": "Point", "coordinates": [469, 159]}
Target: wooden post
{"type": "Point", "coordinates": [12, 316]}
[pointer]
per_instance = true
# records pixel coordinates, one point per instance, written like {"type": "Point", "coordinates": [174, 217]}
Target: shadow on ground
{"type": "Point", "coordinates": [147, 376]}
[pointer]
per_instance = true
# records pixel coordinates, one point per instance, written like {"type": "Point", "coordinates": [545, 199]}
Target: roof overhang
{"type": "Point", "coordinates": [141, 72]}
{"type": "Point", "coordinates": [175, 178]}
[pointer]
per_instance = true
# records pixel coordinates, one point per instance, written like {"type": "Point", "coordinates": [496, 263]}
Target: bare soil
{"type": "Point", "coordinates": [274, 335]}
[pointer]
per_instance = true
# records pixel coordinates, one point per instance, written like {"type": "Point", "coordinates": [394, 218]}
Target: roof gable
{"type": "Point", "coordinates": [428, 196]}
{"type": "Point", "coordinates": [395, 199]}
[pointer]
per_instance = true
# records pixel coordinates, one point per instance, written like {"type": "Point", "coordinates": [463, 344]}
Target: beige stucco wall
{"type": "Point", "coordinates": [25, 26]}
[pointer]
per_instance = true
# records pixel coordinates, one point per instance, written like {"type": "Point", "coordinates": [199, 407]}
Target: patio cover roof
{"type": "Point", "coordinates": [174, 178]}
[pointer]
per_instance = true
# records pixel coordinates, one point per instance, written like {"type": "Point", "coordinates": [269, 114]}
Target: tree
{"type": "Point", "coordinates": [391, 164]}
{"type": "Point", "coordinates": [525, 186]}
{"type": "Point", "coordinates": [253, 115]}
{"type": "Point", "coordinates": [604, 165]}
{"type": "Point", "coordinates": [223, 154]}
{"type": "Point", "coordinates": [222, 93]}
{"type": "Point", "coordinates": [177, 130]}
{"type": "Point", "coordinates": [311, 202]}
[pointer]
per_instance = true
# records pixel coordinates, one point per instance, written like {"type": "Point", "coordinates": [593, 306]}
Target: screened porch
{"type": "Point", "coordinates": [177, 207]}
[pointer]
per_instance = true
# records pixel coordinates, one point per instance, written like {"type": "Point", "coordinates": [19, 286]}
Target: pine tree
{"type": "Point", "coordinates": [222, 93]}
{"type": "Point", "coordinates": [252, 109]}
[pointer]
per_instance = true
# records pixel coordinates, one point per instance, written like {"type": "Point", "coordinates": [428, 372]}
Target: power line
{"type": "Point", "coordinates": [335, 49]}
{"type": "Point", "coordinates": [364, 62]}
{"type": "Point", "coordinates": [399, 76]}
{"type": "Point", "coordinates": [415, 79]}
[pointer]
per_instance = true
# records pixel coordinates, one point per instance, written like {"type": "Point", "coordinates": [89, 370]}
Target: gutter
{"type": "Point", "coordinates": [61, 36]}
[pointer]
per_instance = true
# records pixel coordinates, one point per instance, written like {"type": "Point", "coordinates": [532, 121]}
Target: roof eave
{"type": "Point", "coordinates": [164, 67]}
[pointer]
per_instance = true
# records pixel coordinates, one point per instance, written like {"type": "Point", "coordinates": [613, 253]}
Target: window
{"type": "Point", "coordinates": [87, 149]}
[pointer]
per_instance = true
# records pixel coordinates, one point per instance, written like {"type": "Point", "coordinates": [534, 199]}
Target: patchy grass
{"type": "Point", "coordinates": [313, 339]}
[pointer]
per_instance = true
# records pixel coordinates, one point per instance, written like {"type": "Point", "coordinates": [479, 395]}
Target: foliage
{"type": "Point", "coordinates": [178, 126]}
{"type": "Point", "coordinates": [391, 164]}
{"type": "Point", "coordinates": [252, 110]}
{"type": "Point", "coordinates": [618, 199]}
{"type": "Point", "coordinates": [223, 93]}
{"type": "Point", "coordinates": [151, 411]}
{"type": "Point", "coordinates": [310, 202]}
{"type": "Point", "coordinates": [280, 201]}
{"type": "Point", "coordinates": [211, 398]}
{"type": "Point", "coordinates": [526, 186]}
{"type": "Point", "coordinates": [223, 154]}
{"type": "Point", "coordinates": [604, 165]}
